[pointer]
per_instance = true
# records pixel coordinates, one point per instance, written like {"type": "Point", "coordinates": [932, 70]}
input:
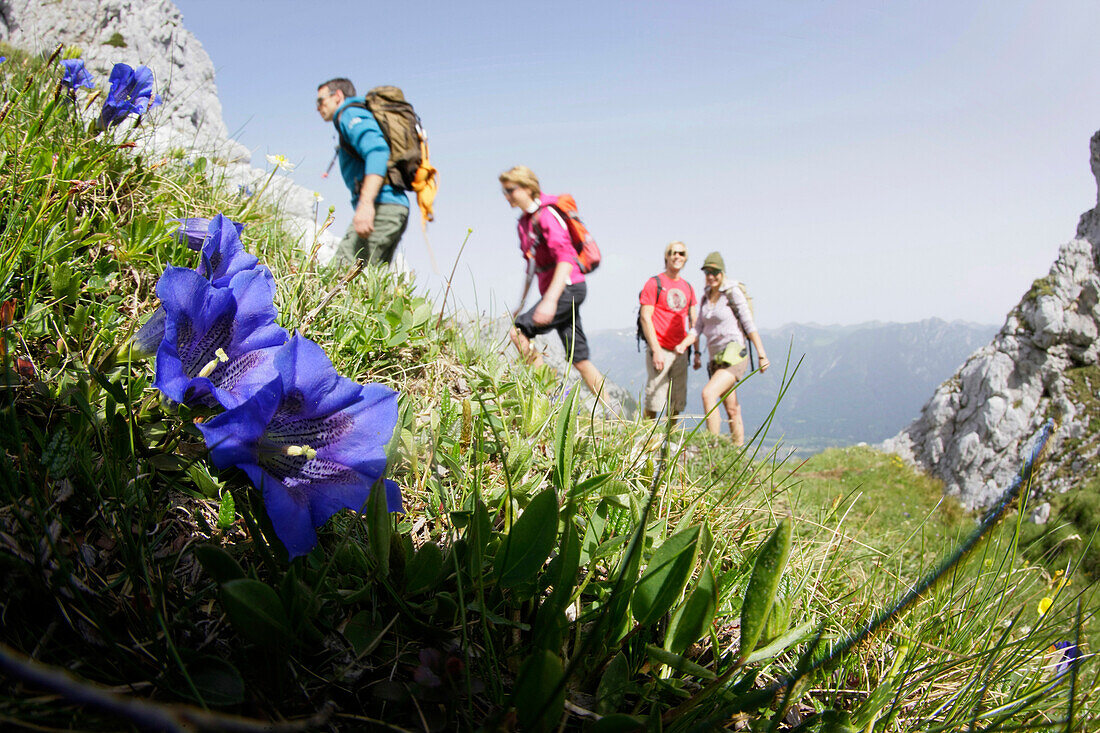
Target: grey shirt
{"type": "Point", "coordinates": [717, 322]}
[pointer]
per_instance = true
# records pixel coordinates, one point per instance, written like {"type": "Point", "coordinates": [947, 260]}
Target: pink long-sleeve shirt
{"type": "Point", "coordinates": [548, 246]}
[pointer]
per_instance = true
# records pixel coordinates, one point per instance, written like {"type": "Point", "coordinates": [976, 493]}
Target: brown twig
{"type": "Point", "coordinates": [352, 274]}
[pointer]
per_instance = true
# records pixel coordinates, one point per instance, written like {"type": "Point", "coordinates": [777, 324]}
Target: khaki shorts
{"type": "Point", "coordinates": [657, 385]}
{"type": "Point", "coordinates": [738, 370]}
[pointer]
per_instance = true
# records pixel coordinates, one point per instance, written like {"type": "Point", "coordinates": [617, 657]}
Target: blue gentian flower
{"type": "Point", "coordinates": [218, 341]}
{"type": "Point", "coordinates": [3, 59]}
{"type": "Point", "coordinates": [244, 190]}
{"type": "Point", "coordinates": [194, 231]}
{"type": "Point", "coordinates": [131, 93]}
{"type": "Point", "coordinates": [313, 442]}
{"type": "Point", "coordinates": [223, 256]}
{"type": "Point", "coordinates": [1070, 655]}
{"type": "Point", "coordinates": [76, 75]}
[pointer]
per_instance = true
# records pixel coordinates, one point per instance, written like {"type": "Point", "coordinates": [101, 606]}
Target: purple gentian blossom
{"type": "Point", "coordinates": [218, 341]}
{"type": "Point", "coordinates": [131, 93]}
{"type": "Point", "coordinates": [223, 256]}
{"type": "Point", "coordinates": [195, 231]}
{"type": "Point", "coordinates": [76, 75]}
{"type": "Point", "coordinates": [313, 442]}
{"type": "Point", "coordinates": [1070, 655]}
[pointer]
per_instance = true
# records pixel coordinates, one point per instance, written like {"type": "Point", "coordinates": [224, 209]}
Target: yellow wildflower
{"type": "Point", "coordinates": [1045, 604]}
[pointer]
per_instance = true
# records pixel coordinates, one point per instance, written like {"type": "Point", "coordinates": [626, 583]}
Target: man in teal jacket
{"type": "Point", "coordinates": [381, 210]}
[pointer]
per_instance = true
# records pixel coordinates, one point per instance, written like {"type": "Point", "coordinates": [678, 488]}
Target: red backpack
{"type": "Point", "coordinates": [588, 252]}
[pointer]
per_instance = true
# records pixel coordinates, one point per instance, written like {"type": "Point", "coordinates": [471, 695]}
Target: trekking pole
{"type": "Point", "coordinates": [331, 163]}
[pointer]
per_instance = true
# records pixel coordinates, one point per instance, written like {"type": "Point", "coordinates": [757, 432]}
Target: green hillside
{"type": "Point", "coordinates": [551, 570]}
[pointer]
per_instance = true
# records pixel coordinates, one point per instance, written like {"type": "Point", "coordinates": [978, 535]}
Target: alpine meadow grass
{"type": "Point", "coordinates": [550, 569]}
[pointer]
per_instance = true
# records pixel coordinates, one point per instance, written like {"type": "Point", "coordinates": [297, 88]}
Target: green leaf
{"type": "Point", "coordinates": [589, 485]}
{"type": "Point", "coordinates": [614, 685]}
{"type": "Point", "coordinates": [693, 617]}
{"type": "Point", "coordinates": [539, 677]}
{"type": "Point", "coordinates": [771, 561]}
{"type": "Point", "coordinates": [665, 577]}
{"type": "Point", "coordinates": [678, 663]}
{"type": "Point", "coordinates": [217, 681]}
{"type": "Point", "coordinates": [784, 642]}
{"type": "Point", "coordinates": [618, 723]}
{"type": "Point", "coordinates": [563, 444]}
{"type": "Point", "coordinates": [424, 569]}
{"type": "Point", "coordinates": [218, 563]}
{"type": "Point", "coordinates": [256, 611]}
{"type": "Point", "coordinates": [527, 546]}
{"type": "Point", "coordinates": [380, 527]}
{"type": "Point", "coordinates": [227, 511]}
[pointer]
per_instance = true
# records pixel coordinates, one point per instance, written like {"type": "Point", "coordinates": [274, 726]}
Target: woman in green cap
{"type": "Point", "coordinates": [725, 321]}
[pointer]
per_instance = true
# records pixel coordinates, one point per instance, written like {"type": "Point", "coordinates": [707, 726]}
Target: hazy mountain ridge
{"type": "Point", "coordinates": [856, 383]}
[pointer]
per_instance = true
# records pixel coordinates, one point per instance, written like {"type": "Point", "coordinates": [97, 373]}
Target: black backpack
{"type": "Point", "coordinates": [400, 126]}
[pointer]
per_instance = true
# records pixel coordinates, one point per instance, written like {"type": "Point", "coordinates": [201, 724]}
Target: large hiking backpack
{"type": "Point", "coordinates": [639, 334]}
{"type": "Point", "coordinates": [400, 126]}
{"type": "Point", "coordinates": [588, 253]}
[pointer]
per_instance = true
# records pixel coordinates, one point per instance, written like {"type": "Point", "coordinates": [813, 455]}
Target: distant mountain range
{"type": "Point", "coordinates": [860, 383]}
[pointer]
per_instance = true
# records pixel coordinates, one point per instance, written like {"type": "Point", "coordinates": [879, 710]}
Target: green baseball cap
{"type": "Point", "coordinates": [714, 262]}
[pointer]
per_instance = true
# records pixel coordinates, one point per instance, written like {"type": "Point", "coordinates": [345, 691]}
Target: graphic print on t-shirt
{"type": "Point", "coordinates": [675, 300]}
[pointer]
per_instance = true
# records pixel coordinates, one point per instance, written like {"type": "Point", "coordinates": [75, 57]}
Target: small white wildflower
{"type": "Point", "coordinates": [280, 161]}
{"type": "Point", "coordinates": [317, 197]}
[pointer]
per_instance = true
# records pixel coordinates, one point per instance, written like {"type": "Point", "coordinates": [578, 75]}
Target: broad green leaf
{"type": "Point", "coordinates": [563, 444]}
{"type": "Point", "coordinates": [614, 685]}
{"type": "Point", "coordinates": [218, 563]}
{"type": "Point", "coordinates": [866, 714]}
{"type": "Point", "coordinates": [589, 485]}
{"type": "Point", "coordinates": [380, 527]}
{"type": "Point", "coordinates": [424, 569]}
{"type": "Point", "coordinates": [551, 622]}
{"type": "Point", "coordinates": [770, 563]}
{"type": "Point", "coordinates": [678, 663]}
{"type": "Point", "coordinates": [216, 680]}
{"type": "Point", "coordinates": [527, 546]}
{"type": "Point", "coordinates": [665, 577]}
{"type": "Point", "coordinates": [256, 611]}
{"type": "Point", "coordinates": [693, 617]}
{"type": "Point", "coordinates": [227, 511]}
{"type": "Point", "coordinates": [538, 706]}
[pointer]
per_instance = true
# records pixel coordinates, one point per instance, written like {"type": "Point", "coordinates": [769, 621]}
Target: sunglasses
{"type": "Point", "coordinates": [677, 252]}
{"type": "Point", "coordinates": [321, 99]}
{"type": "Point", "coordinates": [509, 190]}
{"type": "Point", "coordinates": [712, 273]}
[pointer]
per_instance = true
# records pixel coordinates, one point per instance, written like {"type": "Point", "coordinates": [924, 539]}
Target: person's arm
{"type": "Point", "coordinates": [691, 337]}
{"type": "Point", "coordinates": [362, 132]}
{"type": "Point", "coordinates": [548, 306]}
{"type": "Point", "coordinates": [364, 210]}
{"type": "Point", "coordinates": [764, 363]}
{"type": "Point", "coordinates": [650, 333]}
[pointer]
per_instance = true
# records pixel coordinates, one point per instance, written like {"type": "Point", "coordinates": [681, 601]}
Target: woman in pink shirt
{"type": "Point", "coordinates": [548, 250]}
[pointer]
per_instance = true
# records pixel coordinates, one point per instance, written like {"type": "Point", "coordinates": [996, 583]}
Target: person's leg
{"type": "Point", "coordinates": [351, 248]}
{"type": "Point", "coordinates": [590, 374]}
{"type": "Point", "coordinates": [656, 386]}
{"type": "Point", "coordinates": [390, 221]}
{"type": "Point", "coordinates": [678, 377]}
{"type": "Point", "coordinates": [713, 391]}
{"type": "Point", "coordinates": [733, 412]}
{"type": "Point", "coordinates": [521, 333]}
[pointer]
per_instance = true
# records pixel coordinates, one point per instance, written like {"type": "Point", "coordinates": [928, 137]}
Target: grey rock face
{"type": "Point", "coordinates": [977, 429]}
{"type": "Point", "coordinates": [151, 33]}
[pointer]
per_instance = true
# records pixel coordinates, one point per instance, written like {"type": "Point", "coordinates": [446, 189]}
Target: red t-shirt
{"type": "Point", "coordinates": [670, 311]}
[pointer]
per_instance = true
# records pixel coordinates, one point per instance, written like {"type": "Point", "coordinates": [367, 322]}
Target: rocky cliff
{"type": "Point", "coordinates": [151, 32]}
{"type": "Point", "coordinates": [979, 424]}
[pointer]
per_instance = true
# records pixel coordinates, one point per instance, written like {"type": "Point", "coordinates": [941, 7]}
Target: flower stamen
{"type": "Point", "coordinates": [220, 357]}
{"type": "Point", "coordinates": [301, 450]}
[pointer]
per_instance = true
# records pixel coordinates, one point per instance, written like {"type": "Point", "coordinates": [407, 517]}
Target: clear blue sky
{"type": "Point", "coordinates": [852, 161]}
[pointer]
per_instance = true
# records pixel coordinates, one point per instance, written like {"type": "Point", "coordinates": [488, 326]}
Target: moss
{"type": "Point", "coordinates": [116, 40]}
{"type": "Point", "coordinates": [1042, 286]}
{"type": "Point", "coordinates": [1071, 533]}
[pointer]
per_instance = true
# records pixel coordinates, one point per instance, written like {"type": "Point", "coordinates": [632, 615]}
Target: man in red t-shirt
{"type": "Point", "coordinates": [668, 312]}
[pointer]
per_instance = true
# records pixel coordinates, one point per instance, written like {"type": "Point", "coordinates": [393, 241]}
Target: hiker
{"type": "Point", "coordinates": [381, 209]}
{"type": "Point", "coordinates": [548, 251]}
{"type": "Point", "coordinates": [725, 321]}
{"type": "Point", "coordinates": [667, 314]}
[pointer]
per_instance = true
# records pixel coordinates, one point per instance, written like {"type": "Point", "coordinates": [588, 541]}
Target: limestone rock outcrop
{"type": "Point", "coordinates": [151, 32]}
{"type": "Point", "coordinates": [979, 425]}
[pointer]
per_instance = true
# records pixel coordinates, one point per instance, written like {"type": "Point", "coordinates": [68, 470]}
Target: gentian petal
{"type": "Point", "coordinates": [147, 339]}
{"type": "Point", "coordinates": [223, 255]}
{"type": "Point", "coordinates": [218, 342]}
{"type": "Point", "coordinates": [321, 448]}
{"type": "Point", "coordinates": [76, 75]}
